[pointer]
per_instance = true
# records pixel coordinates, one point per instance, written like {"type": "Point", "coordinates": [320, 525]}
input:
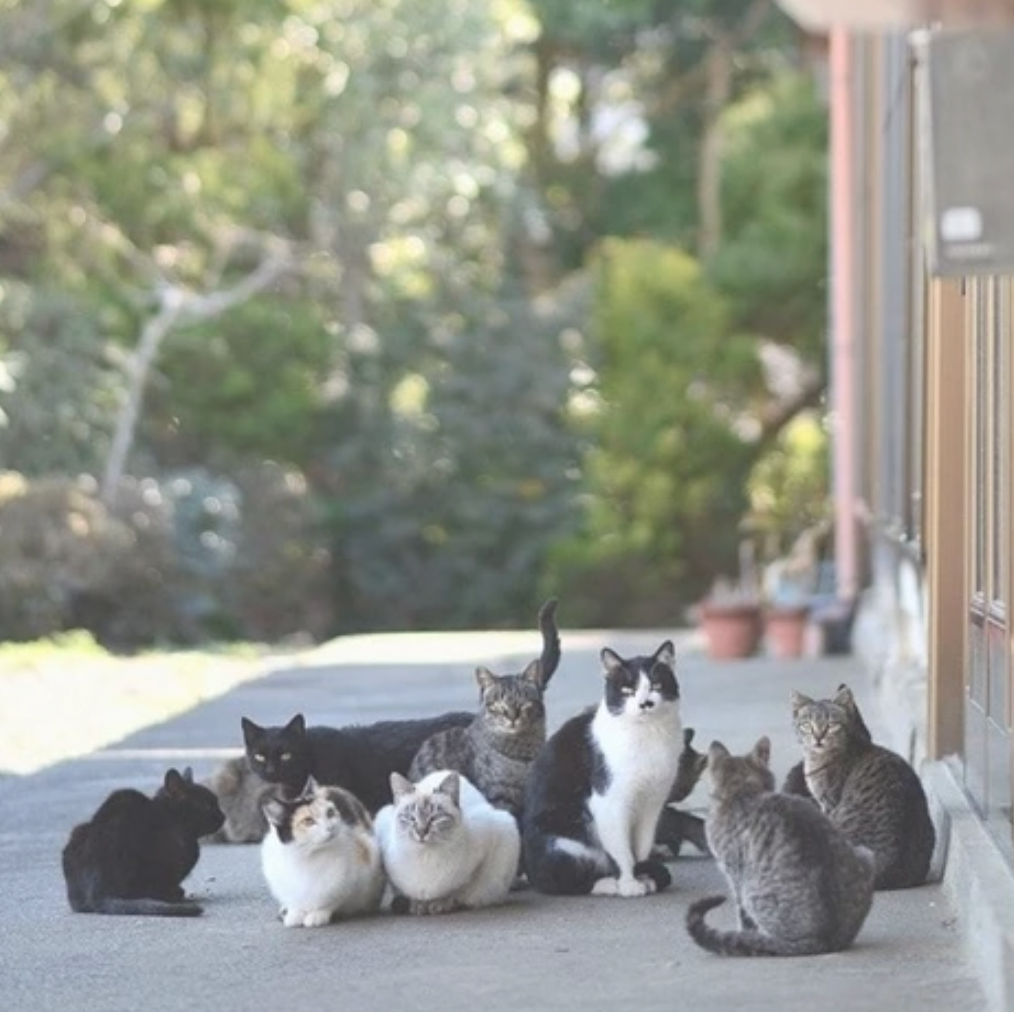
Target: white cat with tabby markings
{"type": "Point", "coordinates": [598, 786]}
{"type": "Point", "coordinates": [445, 846]}
{"type": "Point", "coordinates": [321, 858]}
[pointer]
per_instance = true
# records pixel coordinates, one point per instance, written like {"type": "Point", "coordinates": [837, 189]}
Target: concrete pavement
{"type": "Point", "coordinates": [537, 952]}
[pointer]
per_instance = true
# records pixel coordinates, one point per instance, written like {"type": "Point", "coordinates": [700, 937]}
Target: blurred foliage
{"type": "Point", "coordinates": [789, 486]}
{"type": "Point", "coordinates": [490, 371]}
{"type": "Point", "coordinates": [672, 379]}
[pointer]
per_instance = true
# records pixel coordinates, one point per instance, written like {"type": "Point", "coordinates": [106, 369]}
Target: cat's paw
{"type": "Point", "coordinates": [292, 918]}
{"type": "Point", "coordinates": [317, 918]}
{"type": "Point", "coordinates": [606, 887]}
{"type": "Point", "coordinates": [401, 905]}
{"type": "Point", "coordinates": [631, 887]}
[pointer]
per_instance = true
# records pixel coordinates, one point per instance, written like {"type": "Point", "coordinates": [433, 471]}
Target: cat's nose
{"type": "Point", "coordinates": [648, 704]}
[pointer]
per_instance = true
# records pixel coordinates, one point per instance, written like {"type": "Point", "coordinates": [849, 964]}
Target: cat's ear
{"type": "Point", "coordinates": [666, 654]}
{"type": "Point", "coordinates": [688, 737]}
{"type": "Point", "coordinates": [188, 775]}
{"type": "Point", "coordinates": [450, 786]}
{"type": "Point", "coordinates": [297, 725]}
{"type": "Point", "coordinates": [845, 697]}
{"type": "Point", "coordinates": [762, 751]}
{"type": "Point", "coordinates": [173, 783]}
{"type": "Point", "coordinates": [717, 751]}
{"type": "Point", "coordinates": [310, 787]}
{"type": "Point", "coordinates": [533, 674]}
{"type": "Point", "coordinates": [611, 661]}
{"type": "Point", "coordinates": [484, 678]}
{"type": "Point", "coordinates": [251, 731]}
{"type": "Point", "coordinates": [400, 786]}
{"type": "Point", "coordinates": [798, 701]}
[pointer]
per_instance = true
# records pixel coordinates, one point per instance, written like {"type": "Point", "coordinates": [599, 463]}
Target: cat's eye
{"type": "Point", "coordinates": [259, 756]}
{"type": "Point", "coordinates": [805, 725]}
{"type": "Point", "coordinates": [286, 756]}
{"type": "Point", "coordinates": [627, 690]}
{"type": "Point", "coordinates": [307, 822]}
{"type": "Point", "coordinates": [330, 811]}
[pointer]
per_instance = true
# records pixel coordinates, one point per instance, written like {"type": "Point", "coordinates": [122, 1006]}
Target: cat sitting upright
{"type": "Point", "coordinates": [496, 750]}
{"type": "Point", "coordinates": [131, 857]}
{"type": "Point", "coordinates": [320, 857]}
{"type": "Point", "coordinates": [869, 792]}
{"type": "Point", "coordinates": [800, 887]}
{"type": "Point", "coordinates": [445, 846]}
{"type": "Point", "coordinates": [598, 786]}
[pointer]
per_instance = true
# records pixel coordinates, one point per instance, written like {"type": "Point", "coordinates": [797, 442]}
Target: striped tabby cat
{"type": "Point", "coordinates": [496, 750]}
{"type": "Point", "coordinates": [801, 888]}
{"type": "Point", "coordinates": [870, 793]}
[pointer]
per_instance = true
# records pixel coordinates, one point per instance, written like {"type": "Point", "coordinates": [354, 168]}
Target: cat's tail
{"type": "Point", "coordinates": [149, 908]}
{"type": "Point", "coordinates": [550, 659]}
{"type": "Point", "coordinates": [750, 942]}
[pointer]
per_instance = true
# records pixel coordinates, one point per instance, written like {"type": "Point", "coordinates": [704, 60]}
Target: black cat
{"type": "Point", "coordinates": [359, 757]}
{"type": "Point", "coordinates": [134, 853]}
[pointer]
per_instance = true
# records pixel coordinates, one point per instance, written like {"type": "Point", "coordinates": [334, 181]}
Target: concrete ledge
{"type": "Point", "coordinates": [979, 882]}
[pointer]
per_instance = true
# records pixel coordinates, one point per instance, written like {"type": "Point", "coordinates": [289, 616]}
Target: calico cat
{"type": "Point", "coordinates": [675, 826]}
{"type": "Point", "coordinates": [134, 853]}
{"type": "Point", "coordinates": [320, 857]}
{"type": "Point", "coordinates": [870, 793]}
{"type": "Point", "coordinates": [359, 757]}
{"type": "Point", "coordinates": [496, 750]}
{"type": "Point", "coordinates": [445, 846]}
{"type": "Point", "coordinates": [241, 795]}
{"type": "Point", "coordinates": [800, 887]}
{"type": "Point", "coordinates": [599, 784]}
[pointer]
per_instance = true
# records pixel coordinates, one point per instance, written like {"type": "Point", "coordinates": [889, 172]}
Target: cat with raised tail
{"type": "Point", "coordinates": [598, 786]}
{"type": "Point", "coordinates": [800, 887]}
{"type": "Point", "coordinates": [445, 846]}
{"type": "Point", "coordinates": [869, 792]}
{"type": "Point", "coordinates": [496, 750]}
{"type": "Point", "coordinates": [134, 853]}
{"type": "Point", "coordinates": [320, 858]}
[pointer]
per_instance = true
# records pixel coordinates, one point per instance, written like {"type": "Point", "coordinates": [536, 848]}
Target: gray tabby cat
{"type": "Point", "coordinates": [495, 752]}
{"type": "Point", "coordinates": [870, 793]}
{"type": "Point", "coordinates": [800, 887]}
{"type": "Point", "coordinates": [241, 795]}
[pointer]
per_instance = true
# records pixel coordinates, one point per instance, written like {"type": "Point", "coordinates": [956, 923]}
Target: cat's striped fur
{"type": "Point", "coordinates": [800, 887]}
{"type": "Point", "coordinates": [869, 792]}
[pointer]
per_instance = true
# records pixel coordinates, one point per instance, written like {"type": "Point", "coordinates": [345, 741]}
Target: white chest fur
{"type": "Point", "coordinates": [641, 750]}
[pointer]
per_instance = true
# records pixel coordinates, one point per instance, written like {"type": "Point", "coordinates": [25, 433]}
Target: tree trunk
{"type": "Point", "coordinates": [717, 93]}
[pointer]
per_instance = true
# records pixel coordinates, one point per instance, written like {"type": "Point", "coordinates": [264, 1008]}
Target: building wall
{"type": "Point", "coordinates": [921, 380]}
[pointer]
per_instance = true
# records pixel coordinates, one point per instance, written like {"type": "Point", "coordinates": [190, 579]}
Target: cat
{"type": "Point", "coordinates": [131, 857]}
{"type": "Point", "coordinates": [496, 750]}
{"type": "Point", "coordinates": [795, 779]}
{"type": "Point", "coordinates": [675, 826]}
{"type": "Point", "coordinates": [598, 786]}
{"type": "Point", "coordinates": [800, 887]}
{"type": "Point", "coordinates": [320, 857]}
{"type": "Point", "coordinates": [359, 757]}
{"type": "Point", "coordinates": [869, 792]}
{"type": "Point", "coordinates": [445, 846]}
{"type": "Point", "coordinates": [241, 795]}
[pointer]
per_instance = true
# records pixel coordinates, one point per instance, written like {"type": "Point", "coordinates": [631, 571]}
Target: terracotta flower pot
{"type": "Point", "coordinates": [731, 628]}
{"type": "Point", "coordinates": [785, 630]}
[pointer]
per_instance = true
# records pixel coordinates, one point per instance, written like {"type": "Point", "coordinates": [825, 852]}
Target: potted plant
{"type": "Point", "coordinates": [789, 586]}
{"type": "Point", "coordinates": [730, 616]}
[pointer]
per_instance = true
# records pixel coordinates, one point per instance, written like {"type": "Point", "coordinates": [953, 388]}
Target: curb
{"type": "Point", "coordinates": [979, 884]}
